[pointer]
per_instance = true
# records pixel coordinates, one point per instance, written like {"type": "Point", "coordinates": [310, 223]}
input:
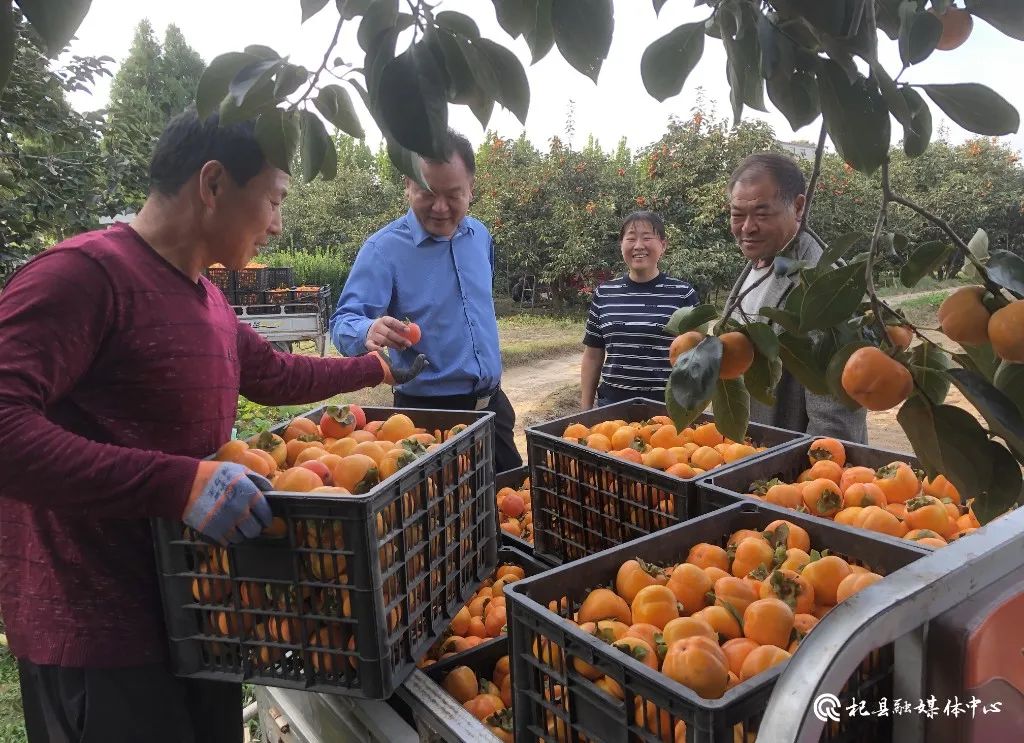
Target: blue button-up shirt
{"type": "Point", "coordinates": [444, 286]}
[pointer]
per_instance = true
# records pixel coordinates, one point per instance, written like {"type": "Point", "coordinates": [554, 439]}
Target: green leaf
{"type": "Point", "coordinates": [349, 9]}
{"type": "Point", "coordinates": [856, 117]}
{"type": "Point", "coordinates": [690, 318]}
{"type": "Point", "coordinates": [797, 355]}
{"type": "Point", "coordinates": [513, 87]}
{"type": "Point", "coordinates": [310, 8]}
{"type": "Point", "coordinates": [981, 359]}
{"type": "Point", "coordinates": [379, 17]}
{"type": "Point", "coordinates": [794, 299]}
{"type": "Point", "coordinates": [1004, 490]}
{"type": "Point", "coordinates": [315, 143]}
{"type": "Point", "coordinates": [919, 34]}
{"type": "Point", "coordinates": [925, 259]}
{"type": "Point", "coordinates": [251, 76]}
{"type": "Point", "coordinates": [787, 320]}
{"type": "Point", "coordinates": [948, 441]}
{"type": "Point", "coordinates": [583, 32]}
{"type": "Point", "coordinates": [916, 418]}
{"type": "Point", "coordinates": [515, 16]}
{"type": "Point", "coordinates": [7, 42]}
{"type": "Point", "coordinates": [668, 61]}
{"type": "Point", "coordinates": [763, 338]}
{"type": "Point", "coordinates": [834, 374]}
{"type": "Point", "coordinates": [412, 101]}
{"type": "Point", "coordinates": [691, 384]}
{"type": "Point", "coordinates": [838, 248]}
{"type": "Point", "coordinates": [1004, 15]}
{"type": "Point", "coordinates": [55, 20]}
{"type": "Point", "coordinates": [917, 136]}
{"type": "Point", "coordinates": [277, 131]}
{"type": "Point", "coordinates": [997, 409]}
{"type": "Point", "coordinates": [833, 297]}
{"type": "Point", "coordinates": [928, 365]}
{"type": "Point", "coordinates": [1007, 270]}
{"type": "Point", "coordinates": [975, 107]}
{"type": "Point", "coordinates": [458, 23]}
{"type": "Point", "coordinates": [762, 378]}
{"type": "Point", "coordinates": [1009, 379]}
{"type": "Point", "coordinates": [731, 403]}
{"type": "Point", "coordinates": [796, 96]}
{"type": "Point", "coordinates": [335, 103]}
{"type": "Point", "coordinates": [743, 60]}
{"type": "Point", "coordinates": [540, 37]}
{"type": "Point", "coordinates": [288, 80]}
{"type": "Point", "coordinates": [894, 100]}
{"type": "Point", "coordinates": [213, 85]}
{"type": "Point", "coordinates": [329, 169]}
{"type": "Point", "coordinates": [257, 99]}
{"type": "Point", "coordinates": [406, 163]}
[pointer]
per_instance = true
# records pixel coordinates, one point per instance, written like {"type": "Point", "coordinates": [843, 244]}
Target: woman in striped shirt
{"type": "Point", "coordinates": [625, 345]}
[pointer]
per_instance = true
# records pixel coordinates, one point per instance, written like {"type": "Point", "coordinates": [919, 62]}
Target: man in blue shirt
{"type": "Point", "coordinates": [433, 266]}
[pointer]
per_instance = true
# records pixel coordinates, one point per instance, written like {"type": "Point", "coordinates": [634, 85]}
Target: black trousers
{"type": "Point", "coordinates": [505, 453]}
{"type": "Point", "coordinates": [139, 704]}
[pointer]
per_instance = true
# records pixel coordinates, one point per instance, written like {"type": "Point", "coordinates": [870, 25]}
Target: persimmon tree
{"type": "Point", "coordinates": [812, 61]}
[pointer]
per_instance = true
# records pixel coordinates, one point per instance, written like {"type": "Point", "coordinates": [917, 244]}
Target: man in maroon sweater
{"type": "Point", "coordinates": [120, 369]}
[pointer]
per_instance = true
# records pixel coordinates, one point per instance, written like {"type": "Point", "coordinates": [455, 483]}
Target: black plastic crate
{"type": "Point", "coordinates": [513, 478]}
{"type": "Point", "coordinates": [482, 660]}
{"type": "Point", "coordinates": [279, 296]}
{"type": "Point", "coordinates": [223, 279]}
{"type": "Point", "coordinates": [247, 298]}
{"type": "Point", "coordinates": [251, 279]}
{"type": "Point", "coordinates": [356, 590]}
{"type": "Point", "coordinates": [586, 501]}
{"type": "Point", "coordinates": [280, 277]}
{"type": "Point", "coordinates": [718, 489]}
{"type": "Point", "coordinates": [551, 695]}
{"type": "Point", "coordinates": [506, 555]}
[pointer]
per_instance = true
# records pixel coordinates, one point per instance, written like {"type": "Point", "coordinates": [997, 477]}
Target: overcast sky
{"type": "Point", "coordinates": [617, 106]}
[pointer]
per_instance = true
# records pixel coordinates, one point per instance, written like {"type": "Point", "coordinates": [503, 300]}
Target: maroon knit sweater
{"type": "Point", "coordinates": [117, 373]}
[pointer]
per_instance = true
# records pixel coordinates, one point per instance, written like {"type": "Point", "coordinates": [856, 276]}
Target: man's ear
{"type": "Point", "coordinates": [798, 205]}
{"type": "Point", "coordinates": [211, 182]}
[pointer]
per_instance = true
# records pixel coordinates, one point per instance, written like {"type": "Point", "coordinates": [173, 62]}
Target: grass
{"type": "Point", "coordinates": [926, 284]}
{"type": "Point", "coordinates": [12, 722]}
{"type": "Point", "coordinates": [923, 309]}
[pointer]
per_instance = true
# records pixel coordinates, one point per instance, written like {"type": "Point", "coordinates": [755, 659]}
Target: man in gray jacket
{"type": "Point", "coordinates": [766, 203]}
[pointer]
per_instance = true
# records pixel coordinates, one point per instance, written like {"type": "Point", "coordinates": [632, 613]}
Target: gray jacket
{"type": "Point", "coordinates": [796, 408]}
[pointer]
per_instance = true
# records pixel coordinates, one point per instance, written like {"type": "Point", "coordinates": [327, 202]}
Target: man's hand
{"type": "Point", "coordinates": [386, 332]}
{"type": "Point", "coordinates": [226, 504]}
{"type": "Point", "coordinates": [395, 376]}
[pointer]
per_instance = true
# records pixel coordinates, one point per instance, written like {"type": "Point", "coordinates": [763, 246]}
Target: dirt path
{"type": "Point", "coordinates": [531, 387]}
{"type": "Point", "coordinates": [527, 385]}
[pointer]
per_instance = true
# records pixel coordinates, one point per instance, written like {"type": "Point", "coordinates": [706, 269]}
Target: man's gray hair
{"type": "Point", "coordinates": [782, 169]}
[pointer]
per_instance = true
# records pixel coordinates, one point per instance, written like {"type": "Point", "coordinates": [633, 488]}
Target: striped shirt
{"type": "Point", "coordinates": [627, 319]}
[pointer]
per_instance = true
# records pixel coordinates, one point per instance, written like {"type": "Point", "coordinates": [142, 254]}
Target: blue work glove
{"type": "Point", "coordinates": [394, 375]}
{"type": "Point", "coordinates": [226, 504]}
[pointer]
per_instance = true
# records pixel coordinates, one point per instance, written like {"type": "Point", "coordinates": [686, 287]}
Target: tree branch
{"type": "Point", "coordinates": [944, 226]}
{"type": "Point", "coordinates": [813, 184]}
{"type": "Point", "coordinates": [732, 305]}
{"type": "Point", "coordinates": [323, 64]}
{"type": "Point", "coordinates": [876, 237]}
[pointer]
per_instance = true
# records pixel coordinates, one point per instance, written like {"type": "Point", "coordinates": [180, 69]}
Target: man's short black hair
{"type": "Point", "coordinates": [457, 144]}
{"type": "Point", "coordinates": [651, 218]}
{"type": "Point", "coordinates": [782, 168]}
{"type": "Point", "coordinates": [187, 144]}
